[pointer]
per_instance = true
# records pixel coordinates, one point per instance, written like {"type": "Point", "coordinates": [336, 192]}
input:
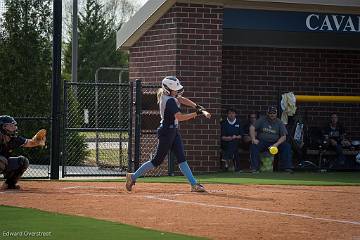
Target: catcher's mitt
{"type": "Point", "coordinates": [40, 137]}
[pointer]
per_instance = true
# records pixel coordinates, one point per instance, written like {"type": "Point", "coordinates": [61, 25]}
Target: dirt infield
{"type": "Point", "coordinates": [226, 212]}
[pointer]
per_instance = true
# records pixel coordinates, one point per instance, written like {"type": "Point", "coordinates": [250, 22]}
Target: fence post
{"type": "Point", "coordinates": [64, 132]}
{"type": "Point", "coordinates": [130, 160]}
{"type": "Point", "coordinates": [56, 91]}
{"type": "Point", "coordinates": [138, 94]}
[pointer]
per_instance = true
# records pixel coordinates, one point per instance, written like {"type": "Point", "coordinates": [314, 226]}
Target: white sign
{"type": "Point", "coordinates": [333, 23]}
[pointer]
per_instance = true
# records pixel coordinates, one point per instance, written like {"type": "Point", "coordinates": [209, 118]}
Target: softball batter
{"type": "Point", "coordinates": [169, 99]}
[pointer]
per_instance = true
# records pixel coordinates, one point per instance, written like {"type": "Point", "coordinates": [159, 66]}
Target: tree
{"type": "Point", "coordinates": [119, 11]}
{"type": "Point", "coordinates": [97, 43]}
{"type": "Point", "coordinates": [25, 66]}
{"type": "Point", "coordinates": [25, 59]}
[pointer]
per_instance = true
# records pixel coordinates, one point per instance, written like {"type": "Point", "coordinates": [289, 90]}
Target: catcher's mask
{"type": "Point", "coordinates": [8, 126]}
{"type": "Point", "coordinates": [171, 83]}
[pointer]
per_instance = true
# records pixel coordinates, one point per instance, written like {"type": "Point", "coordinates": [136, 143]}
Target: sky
{"type": "Point", "coordinates": [142, 2]}
{"type": "Point", "coordinates": [2, 5]}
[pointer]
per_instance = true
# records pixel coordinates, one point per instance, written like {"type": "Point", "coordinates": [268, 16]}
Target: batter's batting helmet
{"type": "Point", "coordinates": [5, 119]}
{"type": "Point", "coordinates": [171, 83]}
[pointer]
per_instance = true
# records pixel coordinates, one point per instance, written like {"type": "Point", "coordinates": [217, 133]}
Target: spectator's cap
{"type": "Point", "coordinates": [272, 109]}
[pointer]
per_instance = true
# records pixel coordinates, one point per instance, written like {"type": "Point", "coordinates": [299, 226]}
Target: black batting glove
{"type": "Point", "coordinates": [199, 111]}
{"type": "Point", "coordinates": [199, 107]}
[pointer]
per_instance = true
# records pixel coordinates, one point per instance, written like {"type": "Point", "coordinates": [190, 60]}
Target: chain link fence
{"type": "Point", "coordinates": [96, 129]}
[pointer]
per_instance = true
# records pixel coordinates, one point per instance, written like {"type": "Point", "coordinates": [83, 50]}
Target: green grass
{"type": "Point", "coordinates": [108, 157]}
{"type": "Point", "coordinates": [276, 178]}
{"type": "Point", "coordinates": [23, 221]}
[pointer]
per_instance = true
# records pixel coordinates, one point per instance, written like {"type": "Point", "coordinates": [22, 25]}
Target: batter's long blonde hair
{"type": "Point", "coordinates": [159, 94]}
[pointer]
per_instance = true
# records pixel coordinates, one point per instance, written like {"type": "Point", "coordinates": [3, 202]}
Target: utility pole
{"type": "Point", "coordinates": [74, 55]}
{"type": "Point", "coordinates": [56, 90]}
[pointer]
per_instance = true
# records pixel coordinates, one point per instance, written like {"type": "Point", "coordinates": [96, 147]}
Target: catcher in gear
{"type": "Point", "coordinates": [14, 167]}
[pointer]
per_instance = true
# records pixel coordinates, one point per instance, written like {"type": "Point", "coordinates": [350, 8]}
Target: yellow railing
{"type": "Point", "coordinates": [310, 98]}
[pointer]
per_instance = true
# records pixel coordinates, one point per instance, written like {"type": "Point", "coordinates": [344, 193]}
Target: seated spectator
{"type": "Point", "coordinates": [269, 131]}
{"type": "Point", "coordinates": [252, 117]}
{"type": "Point", "coordinates": [334, 137]}
{"type": "Point", "coordinates": [231, 133]}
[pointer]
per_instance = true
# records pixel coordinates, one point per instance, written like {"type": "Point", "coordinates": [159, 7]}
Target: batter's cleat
{"type": "Point", "coordinates": [129, 181]}
{"type": "Point", "coordinates": [197, 188]}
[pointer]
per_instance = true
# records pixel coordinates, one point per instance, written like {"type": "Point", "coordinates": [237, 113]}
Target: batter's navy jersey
{"type": "Point", "coordinates": [169, 106]}
{"type": "Point", "coordinates": [15, 142]}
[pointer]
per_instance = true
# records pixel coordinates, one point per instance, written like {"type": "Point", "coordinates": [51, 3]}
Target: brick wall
{"type": "Point", "coordinates": [186, 42]}
{"type": "Point", "coordinates": [253, 78]}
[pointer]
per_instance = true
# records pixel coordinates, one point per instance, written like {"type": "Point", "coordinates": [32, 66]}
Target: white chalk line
{"type": "Point", "coordinates": [88, 187]}
{"type": "Point", "coordinates": [159, 194]}
{"type": "Point", "coordinates": [99, 195]}
{"type": "Point", "coordinates": [255, 210]}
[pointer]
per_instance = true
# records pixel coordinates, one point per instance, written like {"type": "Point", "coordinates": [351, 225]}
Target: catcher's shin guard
{"type": "Point", "coordinates": [16, 168]}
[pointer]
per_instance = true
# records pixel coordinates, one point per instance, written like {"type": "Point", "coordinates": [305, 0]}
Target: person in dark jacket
{"type": "Point", "coordinates": [231, 134]}
{"type": "Point", "coordinates": [334, 137]}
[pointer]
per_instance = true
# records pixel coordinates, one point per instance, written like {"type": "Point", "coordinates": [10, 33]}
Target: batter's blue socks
{"type": "Point", "coordinates": [184, 167]}
{"type": "Point", "coordinates": [144, 168]}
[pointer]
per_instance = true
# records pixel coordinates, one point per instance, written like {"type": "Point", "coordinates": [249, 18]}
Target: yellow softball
{"type": "Point", "coordinates": [273, 150]}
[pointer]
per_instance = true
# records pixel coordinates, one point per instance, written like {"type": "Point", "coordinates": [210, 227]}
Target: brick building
{"type": "Point", "coordinates": [245, 54]}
